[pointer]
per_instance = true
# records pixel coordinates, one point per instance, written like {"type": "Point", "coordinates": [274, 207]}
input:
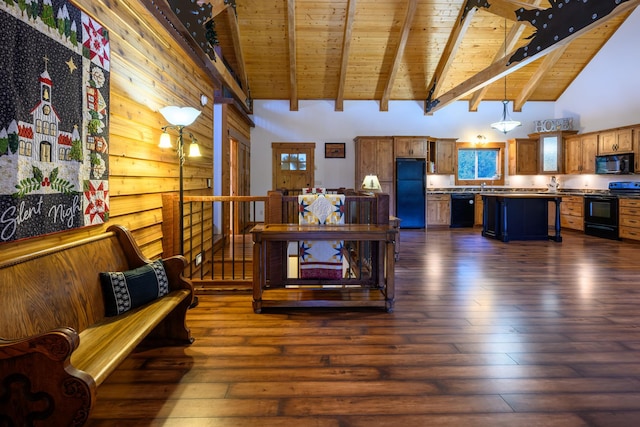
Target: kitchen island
{"type": "Point", "coordinates": [520, 216]}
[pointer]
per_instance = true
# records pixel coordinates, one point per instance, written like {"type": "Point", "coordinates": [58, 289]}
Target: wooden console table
{"type": "Point", "coordinates": [384, 235]}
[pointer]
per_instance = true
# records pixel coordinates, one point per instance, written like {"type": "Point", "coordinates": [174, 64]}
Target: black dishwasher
{"type": "Point", "coordinates": [462, 209]}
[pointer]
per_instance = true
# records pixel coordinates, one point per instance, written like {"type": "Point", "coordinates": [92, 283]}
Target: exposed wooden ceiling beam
{"type": "Point", "coordinates": [547, 63]}
{"type": "Point", "coordinates": [346, 46]}
{"type": "Point", "coordinates": [502, 68]}
{"type": "Point", "coordinates": [293, 81]}
{"type": "Point", "coordinates": [455, 38]}
{"type": "Point", "coordinates": [217, 7]}
{"type": "Point", "coordinates": [237, 47]}
{"type": "Point", "coordinates": [512, 38]}
{"type": "Point", "coordinates": [404, 35]}
{"type": "Point", "coordinates": [507, 8]}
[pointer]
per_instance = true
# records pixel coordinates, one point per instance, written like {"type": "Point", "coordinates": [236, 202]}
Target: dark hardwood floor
{"type": "Point", "coordinates": [484, 333]}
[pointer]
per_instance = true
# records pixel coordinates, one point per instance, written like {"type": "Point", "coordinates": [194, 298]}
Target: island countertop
{"type": "Point", "coordinates": [507, 195]}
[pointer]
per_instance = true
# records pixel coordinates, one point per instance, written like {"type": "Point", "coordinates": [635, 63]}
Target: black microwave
{"type": "Point", "coordinates": [619, 164]}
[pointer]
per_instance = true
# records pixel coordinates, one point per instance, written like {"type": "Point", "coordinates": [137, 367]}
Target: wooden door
{"type": "Point", "coordinates": [293, 165]}
{"type": "Point", "coordinates": [240, 182]}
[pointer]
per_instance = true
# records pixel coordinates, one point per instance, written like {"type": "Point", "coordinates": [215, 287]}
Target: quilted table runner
{"type": "Point", "coordinates": [321, 259]}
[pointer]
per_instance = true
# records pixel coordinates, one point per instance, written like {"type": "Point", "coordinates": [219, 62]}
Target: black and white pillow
{"type": "Point", "coordinates": [125, 290]}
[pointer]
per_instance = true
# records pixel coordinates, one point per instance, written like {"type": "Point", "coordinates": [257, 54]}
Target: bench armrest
{"type": "Point", "coordinates": [41, 377]}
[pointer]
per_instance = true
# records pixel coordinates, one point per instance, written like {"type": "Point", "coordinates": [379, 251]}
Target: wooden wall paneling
{"type": "Point", "coordinates": [148, 71]}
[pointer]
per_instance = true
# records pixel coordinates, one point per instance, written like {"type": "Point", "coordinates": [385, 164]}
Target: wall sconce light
{"type": "Point", "coordinates": [180, 117]}
{"type": "Point", "coordinates": [371, 183]}
{"type": "Point", "coordinates": [481, 140]}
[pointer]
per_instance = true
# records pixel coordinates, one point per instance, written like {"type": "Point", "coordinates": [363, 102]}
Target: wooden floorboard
{"type": "Point", "coordinates": [484, 333]}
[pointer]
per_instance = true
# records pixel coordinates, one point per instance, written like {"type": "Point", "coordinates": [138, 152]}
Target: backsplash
{"type": "Point", "coordinates": [584, 183]}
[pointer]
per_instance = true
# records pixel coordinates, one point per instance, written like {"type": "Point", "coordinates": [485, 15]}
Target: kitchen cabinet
{"type": "Point", "coordinates": [636, 148]}
{"type": "Point", "coordinates": [551, 151]}
{"type": "Point", "coordinates": [615, 141]}
{"type": "Point", "coordinates": [479, 208]}
{"type": "Point", "coordinates": [629, 218]}
{"type": "Point", "coordinates": [442, 153]}
{"type": "Point", "coordinates": [523, 156]}
{"type": "Point", "coordinates": [410, 146]}
{"type": "Point", "coordinates": [580, 153]}
{"type": "Point", "coordinates": [374, 155]}
{"type": "Point", "coordinates": [438, 209]}
{"type": "Point", "coordinates": [572, 212]}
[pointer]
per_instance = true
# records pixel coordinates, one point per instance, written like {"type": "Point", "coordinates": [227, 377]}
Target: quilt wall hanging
{"type": "Point", "coordinates": [54, 100]}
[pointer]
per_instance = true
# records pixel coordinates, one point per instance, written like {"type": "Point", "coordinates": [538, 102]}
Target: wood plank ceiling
{"type": "Point", "coordinates": [383, 50]}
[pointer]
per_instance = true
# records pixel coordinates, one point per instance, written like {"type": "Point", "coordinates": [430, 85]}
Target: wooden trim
{"type": "Point", "coordinates": [501, 146]}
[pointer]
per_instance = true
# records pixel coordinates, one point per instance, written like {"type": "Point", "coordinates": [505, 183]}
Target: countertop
{"type": "Point", "coordinates": [527, 191]}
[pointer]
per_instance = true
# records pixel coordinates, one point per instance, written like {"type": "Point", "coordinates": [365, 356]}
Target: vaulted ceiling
{"type": "Point", "coordinates": [432, 51]}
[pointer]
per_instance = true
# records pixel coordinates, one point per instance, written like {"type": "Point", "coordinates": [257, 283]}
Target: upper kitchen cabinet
{"type": "Point", "coordinates": [523, 156]}
{"type": "Point", "coordinates": [551, 151]}
{"type": "Point", "coordinates": [580, 153]}
{"type": "Point", "coordinates": [411, 146]}
{"type": "Point", "coordinates": [442, 156]}
{"type": "Point", "coordinates": [615, 141]}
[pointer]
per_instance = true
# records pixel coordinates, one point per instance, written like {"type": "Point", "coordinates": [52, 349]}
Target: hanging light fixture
{"type": "Point", "coordinates": [506, 124]}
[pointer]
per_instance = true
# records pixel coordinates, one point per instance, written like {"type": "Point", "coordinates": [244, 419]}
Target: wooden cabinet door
{"type": "Point", "coordinates": [589, 152]}
{"type": "Point", "coordinates": [615, 141]}
{"type": "Point", "coordinates": [523, 156]}
{"type": "Point", "coordinates": [438, 209]}
{"type": "Point", "coordinates": [607, 142]}
{"type": "Point", "coordinates": [384, 159]}
{"type": "Point", "coordinates": [410, 146]}
{"type": "Point", "coordinates": [445, 155]}
{"type": "Point", "coordinates": [624, 140]}
{"type": "Point", "coordinates": [573, 155]}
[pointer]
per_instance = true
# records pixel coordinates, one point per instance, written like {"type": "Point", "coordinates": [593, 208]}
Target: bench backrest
{"type": "Point", "coordinates": [57, 287]}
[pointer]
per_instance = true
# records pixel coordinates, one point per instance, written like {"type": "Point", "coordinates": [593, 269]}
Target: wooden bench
{"type": "Point", "coordinates": [57, 346]}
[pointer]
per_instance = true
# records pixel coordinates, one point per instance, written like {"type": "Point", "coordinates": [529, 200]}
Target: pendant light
{"type": "Point", "coordinates": [506, 124]}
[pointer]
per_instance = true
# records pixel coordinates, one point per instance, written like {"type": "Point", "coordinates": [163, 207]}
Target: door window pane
{"type": "Point", "coordinates": [293, 161]}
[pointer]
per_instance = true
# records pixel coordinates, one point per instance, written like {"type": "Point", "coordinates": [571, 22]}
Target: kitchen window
{"type": "Point", "coordinates": [480, 163]}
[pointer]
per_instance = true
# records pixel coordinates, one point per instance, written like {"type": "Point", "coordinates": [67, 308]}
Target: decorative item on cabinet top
{"type": "Point", "coordinates": [552, 125]}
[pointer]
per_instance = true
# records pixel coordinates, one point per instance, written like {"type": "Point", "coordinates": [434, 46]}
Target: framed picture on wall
{"type": "Point", "coordinates": [334, 150]}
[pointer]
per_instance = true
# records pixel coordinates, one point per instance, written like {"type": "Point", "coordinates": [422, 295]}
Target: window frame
{"type": "Point", "coordinates": [501, 146]}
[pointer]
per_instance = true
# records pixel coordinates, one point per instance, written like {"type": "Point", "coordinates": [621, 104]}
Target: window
{"type": "Point", "coordinates": [480, 163]}
{"type": "Point", "coordinates": [293, 161]}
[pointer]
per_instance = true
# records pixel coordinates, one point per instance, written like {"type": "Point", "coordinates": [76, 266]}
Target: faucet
{"type": "Point", "coordinates": [483, 186]}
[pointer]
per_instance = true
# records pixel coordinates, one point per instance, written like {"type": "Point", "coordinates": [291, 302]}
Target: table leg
{"type": "Point", "coordinates": [390, 286]}
{"type": "Point", "coordinates": [259, 264]}
{"type": "Point", "coordinates": [558, 237]}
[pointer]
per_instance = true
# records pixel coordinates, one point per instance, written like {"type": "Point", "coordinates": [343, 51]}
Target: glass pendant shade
{"type": "Point", "coordinates": [180, 116]}
{"type": "Point", "coordinates": [506, 124]}
{"type": "Point", "coordinates": [194, 150]}
{"type": "Point", "coordinates": [165, 140]}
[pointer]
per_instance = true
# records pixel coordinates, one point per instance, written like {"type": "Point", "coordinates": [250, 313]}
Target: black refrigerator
{"type": "Point", "coordinates": [410, 192]}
